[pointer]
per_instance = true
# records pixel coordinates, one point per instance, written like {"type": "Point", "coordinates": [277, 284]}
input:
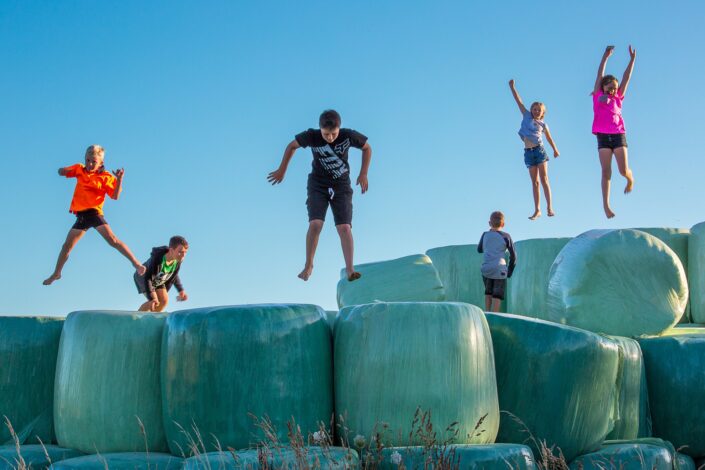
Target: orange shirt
{"type": "Point", "coordinates": [91, 188]}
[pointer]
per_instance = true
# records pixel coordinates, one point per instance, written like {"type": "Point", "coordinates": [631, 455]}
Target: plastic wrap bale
{"type": "Point", "coordinates": [391, 358]}
{"type": "Point", "coordinates": [529, 283]}
{"type": "Point", "coordinates": [330, 458]}
{"type": "Point", "coordinates": [412, 278]}
{"type": "Point", "coordinates": [460, 457]}
{"type": "Point", "coordinates": [559, 381]}
{"type": "Point", "coordinates": [330, 318]}
{"type": "Point", "coordinates": [684, 462]}
{"type": "Point", "coordinates": [34, 456]}
{"type": "Point", "coordinates": [222, 363]}
{"type": "Point", "coordinates": [626, 456]}
{"type": "Point", "coordinates": [696, 272]}
{"type": "Point", "coordinates": [633, 419]}
{"type": "Point", "coordinates": [107, 383]}
{"type": "Point", "coordinates": [685, 329]}
{"type": "Point", "coordinates": [122, 461]}
{"type": "Point", "coordinates": [458, 267]}
{"type": "Point", "coordinates": [617, 282]}
{"type": "Point", "coordinates": [28, 349]}
{"type": "Point", "coordinates": [674, 374]}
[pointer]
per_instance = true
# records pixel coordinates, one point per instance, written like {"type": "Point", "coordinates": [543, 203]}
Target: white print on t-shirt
{"type": "Point", "coordinates": [329, 159]}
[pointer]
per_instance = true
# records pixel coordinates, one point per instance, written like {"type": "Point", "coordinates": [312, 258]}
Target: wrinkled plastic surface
{"type": "Point", "coordinates": [222, 363]}
{"type": "Point", "coordinates": [617, 282]}
{"type": "Point", "coordinates": [461, 457]}
{"type": "Point", "coordinates": [122, 461]}
{"type": "Point", "coordinates": [391, 358]}
{"type": "Point", "coordinates": [331, 318]}
{"type": "Point", "coordinates": [34, 456]}
{"type": "Point", "coordinates": [558, 380]}
{"type": "Point", "coordinates": [333, 458]}
{"type": "Point", "coordinates": [627, 456]}
{"type": "Point", "coordinates": [674, 373]}
{"type": "Point", "coordinates": [458, 267]}
{"type": "Point", "coordinates": [107, 376]}
{"type": "Point", "coordinates": [685, 329]}
{"type": "Point", "coordinates": [28, 349]}
{"type": "Point", "coordinates": [633, 419]}
{"type": "Point", "coordinates": [677, 240]}
{"type": "Point", "coordinates": [684, 462]}
{"type": "Point", "coordinates": [696, 272]}
{"type": "Point", "coordinates": [412, 278]}
{"type": "Point", "coordinates": [529, 283]}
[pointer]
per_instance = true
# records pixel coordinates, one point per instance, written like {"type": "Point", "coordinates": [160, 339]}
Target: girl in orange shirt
{"type": "Point", "coordinates": [92, 184]}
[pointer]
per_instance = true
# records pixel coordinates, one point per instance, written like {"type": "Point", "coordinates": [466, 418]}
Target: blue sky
{"type": "Point", "coordinates": [197, 100]}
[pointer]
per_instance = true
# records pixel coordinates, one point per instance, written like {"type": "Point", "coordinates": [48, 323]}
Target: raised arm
{"type": "Point", "coordinates": [277, 176]}
{"type": "Point", "coordinates": [549, 138]}
{"type": "Point", "coordinates": [366, 159]}
{"type": "Point", "coordinates": [119, 173]}
{"type": "Point", "coordinates": [601, 69]}
{"type": "Point", "coordinates": [627, 72]}
{"type": "Point", "coordinates": [517, 98]}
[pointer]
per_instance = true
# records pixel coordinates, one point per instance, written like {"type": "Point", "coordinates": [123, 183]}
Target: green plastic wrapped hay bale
{"type": "Point", "coordinates": [558, 381]}
{"type": "Point", "coordinates": [412, 278]}
{"type": "Point", "coordinates": [34, 456]}
{"type": "Point", "coordinates": [122, 461]}
{"type": "Point", "coordinates": [684, 462]}
{"type": "Point", "coordinates": [626, 456]}
{"type": "Point", "coordinates": [674, 373]}
{"type": "Point", "coordinates": [617, 282]}
{"type": "Point", "coordinates": [329, 458]}
{"type": "Point", "coordinates": [391, 358]}
{"type": "Point", "coordinates": [28, 349]}
{"type": "Point", "coordinates": [459, 457]}
{"type": "Point", "coordinates": [685, 329]}
{"type": "Point", "coordinates": [696, 272]}
{"type": "Point", "coordinates": [529, 283]}
{"type": "Point", "coordinates": [458, 268]}
{"type": "Point", "coordinates": [633, 419]}
{"type": "Point", "coordinates": [108, 396]}
{"type": "Point", "coordinates": [221, 364]}
{"type": "Point", "coordinates": [330, 318]}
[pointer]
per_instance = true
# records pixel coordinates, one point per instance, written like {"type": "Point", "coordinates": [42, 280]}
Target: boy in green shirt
{"type": "Point", "coordinates": [162, 272]}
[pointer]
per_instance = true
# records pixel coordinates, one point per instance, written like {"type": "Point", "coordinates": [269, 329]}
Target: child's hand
{"type": "Point", "coordinates": [608, 51]}
{"type": "Point", "coordinates": [511, 83]}
{"type": "Point", "coordinates": [556, 154]}
{"type": "Point", "coordinates": [277, 176]}
{"type": "Point", "coordinates": [119, 173]}
{"type": "Point", "coordinates": [141, 269]}
{"type": "Point", "coordinates": [153, 305]}
{"type": "Point", "coordinates": [632, 52]}
{"type": "Point", "coordinates": [182, 297]}
{"type": "Point", "coordinates": [362, 182]}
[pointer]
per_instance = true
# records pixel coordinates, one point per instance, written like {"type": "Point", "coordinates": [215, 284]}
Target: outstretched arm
{"type": "Point", "coordinates": [627, 72]}
{"type": "Point", "coordinates": [517, 98]}
{"type": "Point", "coordinates": [601, 69]}
{"type": "Point", "coordinates": [277, 176]}
{"type": "Point", "coordinates": [366, 158]}
{"type": "Point", "coordinates": [549, 138]}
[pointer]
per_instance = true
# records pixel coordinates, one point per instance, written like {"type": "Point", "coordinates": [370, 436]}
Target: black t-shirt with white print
{"type": "Point", "coordinates": [330, 161]}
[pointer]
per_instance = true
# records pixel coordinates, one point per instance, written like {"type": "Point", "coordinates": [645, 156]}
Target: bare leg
{"type": "Point", "coordinates": [71, 239]}
{"type": "Point", "coordinates": [314, 231]}
{"type": "Point", "coordinates": [534, 175]}
{"type": "Point", "coordinates": [346, 241]}
{"type": "Point", "coordinates": [495, 304]}
{"type": "Point", "coordinates": [163, 297]}
{"type": "Point", "coordinates": [543, 176]}
{"type": "Point", "coordinates": [621, 155]}
{"type": "Point", "coordinates": [113, 241]}
{"type": "Point", "coordinates": [488, 303]}
{"type": "Point", "coordinates": [606, 163]}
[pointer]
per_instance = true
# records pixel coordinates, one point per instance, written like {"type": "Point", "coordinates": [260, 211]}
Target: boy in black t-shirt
{"type": "Point", "coordinates": [328, 183]}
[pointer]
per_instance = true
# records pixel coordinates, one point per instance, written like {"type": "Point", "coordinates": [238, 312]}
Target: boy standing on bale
{"type": "Point", "coordinates": [162, 273]}
{"type": "Point", "coordinates": [328, 183]}
{"type": "Point", "coordinates": [494, 244]}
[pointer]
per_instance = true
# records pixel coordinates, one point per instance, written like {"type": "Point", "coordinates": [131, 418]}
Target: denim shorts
{"type": "Point", "coordinates": [611, 141]}
{"type": "Point", "coordinates": [535, 156]}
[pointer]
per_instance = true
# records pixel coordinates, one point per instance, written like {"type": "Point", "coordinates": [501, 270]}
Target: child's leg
{"type": "Point", "coordinates": [71, 239]}
{"type": "Point", "coordinates": [496, 304]}
{"type": "Point", "coordinates": [534, 175]}
{"type": "Point", "coordinates": [314, 231]}
{"type": "Point", "coordinates": [543, 176]}
{"type": "Point", "coordinates": [488, 303]}
{"type": "Point", "coordinates": [346, 241]}
{"type": "Point", "coordinates": [113, 241]}
{"type": "Point", "coordinates": [621, 155]}
{"type": "Point", "coordinates": [606, 163]}
{"type": "Point", "coordinates": [163, 297]}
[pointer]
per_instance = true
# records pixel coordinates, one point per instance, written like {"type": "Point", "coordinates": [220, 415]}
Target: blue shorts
{"type": "Point", "coordinates": [535, 156]}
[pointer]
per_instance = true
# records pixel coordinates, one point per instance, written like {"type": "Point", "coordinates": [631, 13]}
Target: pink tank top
{"type": "Point", "coordinates": [608, 113]}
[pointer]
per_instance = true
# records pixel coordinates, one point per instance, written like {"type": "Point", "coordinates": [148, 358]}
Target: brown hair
{"type": "Point", "coordinates": [496, 219]}
{"type": "Point", "coordinates": [177, 240]}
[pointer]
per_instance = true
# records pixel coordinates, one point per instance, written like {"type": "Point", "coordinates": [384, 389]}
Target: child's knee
{"type": "Point", "coordinates": [316, 225]}
{"type": "Point", "coordinates": [607, 173]}
{"type": "Point", "coordinates": [344, 229]}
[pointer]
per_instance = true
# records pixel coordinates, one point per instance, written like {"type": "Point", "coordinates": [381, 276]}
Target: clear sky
{"type": "Point", "coordinates": [197, 101]}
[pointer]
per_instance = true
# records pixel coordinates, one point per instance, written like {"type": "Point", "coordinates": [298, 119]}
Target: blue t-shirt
{"type": "Point", "coordinates": [532, 129]}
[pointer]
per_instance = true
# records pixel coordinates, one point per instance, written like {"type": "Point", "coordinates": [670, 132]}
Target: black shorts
{"type": "Point", "coordinates": [338, 195]}
{"type": "Point", "coordinates": [90, 218]}
{"type": "Point", "coordinates": [494, 287]}
{"type": "Point", "coordinates": [141, 284]}
{"type": "Point", "coordinates": [611, 141]}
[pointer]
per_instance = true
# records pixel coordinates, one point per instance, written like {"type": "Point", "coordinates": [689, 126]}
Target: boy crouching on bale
{"type": "Point", "coordinates": [162, 272]}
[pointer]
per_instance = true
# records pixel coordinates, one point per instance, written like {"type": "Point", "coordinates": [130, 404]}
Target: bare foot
{"type": "Point", "coordinates": [52, 278]}
{"type": "Point", "coordinates": [353, 276]}
{"type": "Point", "coordinates": [306, 273]}
{"type": "Point", "coordinates": [550, 212]}
{"type": "Point", "coordinates": [609, 213]}
{"type": "Point", "coordinates": [630, 183]}
{"type": "Point", "coordinates": [536, 215]}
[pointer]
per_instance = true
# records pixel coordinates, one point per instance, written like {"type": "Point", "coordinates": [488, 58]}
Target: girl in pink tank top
{"type": "Point", "coordinates": [608, 125]}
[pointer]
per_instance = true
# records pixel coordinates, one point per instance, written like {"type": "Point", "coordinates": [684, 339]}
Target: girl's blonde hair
{"type": "Point", "coordinates": [542, 106]}
{"type": "Point", "coordinates": [96, 150]}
